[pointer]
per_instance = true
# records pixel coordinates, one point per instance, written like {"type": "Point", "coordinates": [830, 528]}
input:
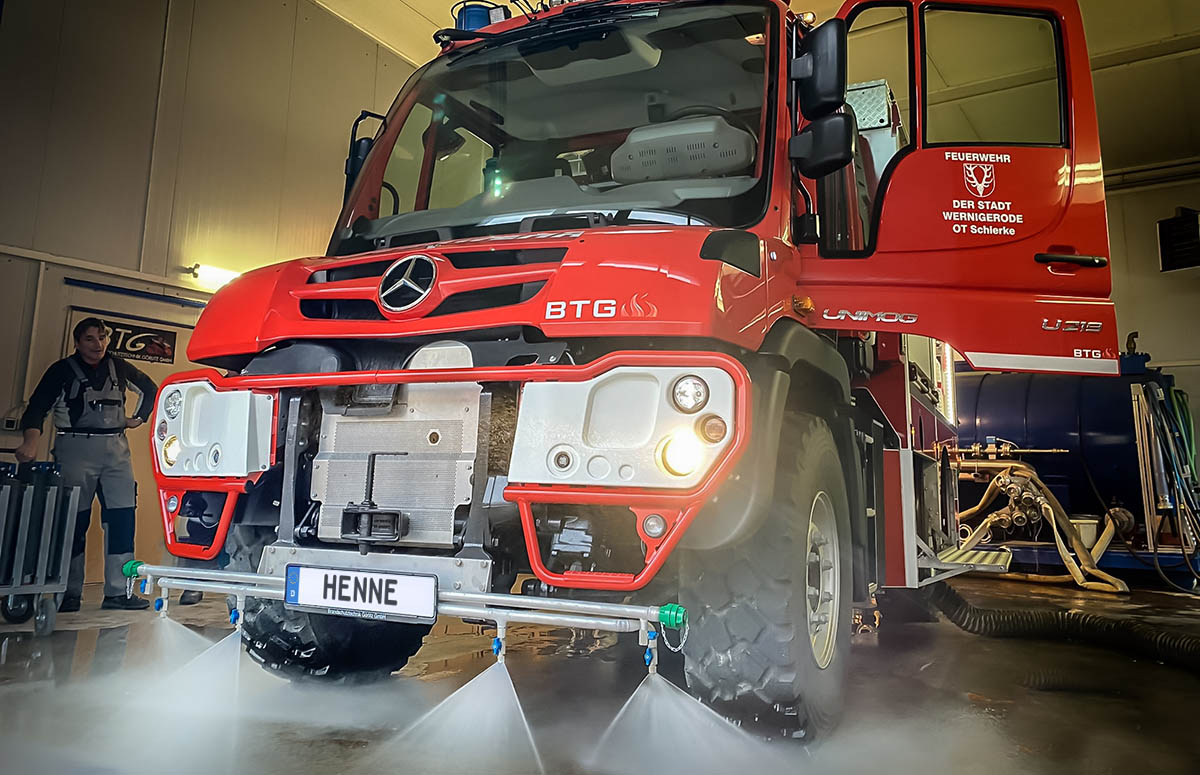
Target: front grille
{"type": "Point", "coordinates": [478, 259]}
{"type": "Point", "coordinates": [488, 298]}
{"type": "Point", "coordinates": [462, 259]}
{"type": "Point", "coordinates": [340, 309]}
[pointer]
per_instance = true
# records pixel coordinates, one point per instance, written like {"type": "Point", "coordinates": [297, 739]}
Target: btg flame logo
{"type": "Point", "coordinates": [980, 179]}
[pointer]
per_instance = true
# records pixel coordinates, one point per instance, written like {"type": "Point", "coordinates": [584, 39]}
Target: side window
{"type": "Point", "coordinates": [977, 92]}
{"type": "Point", "coordinates": [404, 166]}
{"type": "Point", "coordinates": [879, 96]}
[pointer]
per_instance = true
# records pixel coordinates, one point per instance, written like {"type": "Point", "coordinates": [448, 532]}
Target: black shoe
{"type": "Point", "coordinates": [122, 603]}
{"type": "Point", "coordinates": [69, 605]}
{"type": "Point", "coordinates": [190, 597]}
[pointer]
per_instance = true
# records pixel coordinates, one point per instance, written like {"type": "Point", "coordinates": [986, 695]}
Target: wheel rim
{"type": "Point", "coordinates": [823, 590]}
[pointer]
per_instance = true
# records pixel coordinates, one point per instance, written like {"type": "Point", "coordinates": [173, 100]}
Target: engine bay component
{"type": "Point", "coordinates": [423, 447]}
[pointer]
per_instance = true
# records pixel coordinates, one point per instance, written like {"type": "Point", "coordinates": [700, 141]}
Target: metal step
{"type": "Point", "coordinates": [953, 561]}
{"type": "Point", "coordinates": [988, 560]}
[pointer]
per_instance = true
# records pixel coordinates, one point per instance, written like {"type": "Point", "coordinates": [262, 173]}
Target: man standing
{"type": "Point", "coordinates": [87, 393]}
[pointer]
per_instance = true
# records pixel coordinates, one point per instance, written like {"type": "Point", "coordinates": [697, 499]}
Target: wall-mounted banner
{"type": "Point", "coordinates": [138, 342]}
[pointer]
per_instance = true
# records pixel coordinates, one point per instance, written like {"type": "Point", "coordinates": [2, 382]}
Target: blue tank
{"type": "Point", "coordinates": [1091, 417]}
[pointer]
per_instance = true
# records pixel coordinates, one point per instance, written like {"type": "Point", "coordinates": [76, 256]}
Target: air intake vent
{"type": "Point", "coordinates": [340, 309]}
{"type": "Point", "coordinates": [1179, 240]}
{"type": "Point", "coordinates": [485, 258]}
{"type": "Point", "coordinates": [471, 259]}
{"type": "Point", "coordinates": [488, 298]}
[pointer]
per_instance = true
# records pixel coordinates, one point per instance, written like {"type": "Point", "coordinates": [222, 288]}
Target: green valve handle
{"type": "Point", "coordinates": [672, 615]}
{"type": "Point", "coordinates": [130, 569]}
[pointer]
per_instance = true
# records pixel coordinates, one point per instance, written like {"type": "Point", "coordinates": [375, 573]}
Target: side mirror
{"type": "Point", "coordinates": [359, 148]}
{"type": "Point", "coordinates": [820, 70]}
{"type": "Point", "coordinates": [824, 146]}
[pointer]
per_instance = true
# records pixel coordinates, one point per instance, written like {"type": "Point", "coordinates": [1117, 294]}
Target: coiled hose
{"type": "Point", "coordinates": [1126, 635]}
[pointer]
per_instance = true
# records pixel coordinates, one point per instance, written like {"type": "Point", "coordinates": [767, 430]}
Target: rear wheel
{"type": "Point", "coordinates": [770, 616]}
{"type": "Point", "coordinates": [303, 645]}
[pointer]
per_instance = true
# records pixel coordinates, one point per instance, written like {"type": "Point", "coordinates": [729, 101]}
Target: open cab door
{"type": "Point", "coordinates": [974, 209]}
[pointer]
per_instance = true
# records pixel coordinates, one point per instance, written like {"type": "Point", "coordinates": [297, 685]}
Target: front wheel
{"type": "Point", "coordinates": [770, 616]}
{"type": "Point", "coordinates": [302, 645]}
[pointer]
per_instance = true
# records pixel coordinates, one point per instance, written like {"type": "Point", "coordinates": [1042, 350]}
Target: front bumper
{"type": "Point", "coordinates": [678, 505]}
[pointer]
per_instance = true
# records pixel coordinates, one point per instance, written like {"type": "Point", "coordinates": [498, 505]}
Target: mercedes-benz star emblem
{"type": "Point", "coordinates": [407, 282]}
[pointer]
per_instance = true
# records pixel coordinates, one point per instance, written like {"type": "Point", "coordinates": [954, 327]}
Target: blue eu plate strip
{"type": "Point", "coordinates": [292, 587]}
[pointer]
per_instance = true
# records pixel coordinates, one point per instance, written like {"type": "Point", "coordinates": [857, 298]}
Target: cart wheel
{"type": "Point", "coordinates": [16, 609]}
{"type": "Point", "coordinates": [47, 610]}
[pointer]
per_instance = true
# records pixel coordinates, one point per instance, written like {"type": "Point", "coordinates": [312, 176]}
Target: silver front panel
{"type": "Point", "coordinates": [425, 459]}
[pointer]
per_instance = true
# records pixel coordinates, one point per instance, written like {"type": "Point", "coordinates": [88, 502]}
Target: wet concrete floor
{"type": "Point", "coordinates": [923, 698]}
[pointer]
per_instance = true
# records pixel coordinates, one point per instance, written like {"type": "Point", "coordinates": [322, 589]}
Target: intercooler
{"type": "Point", "coordinates": [424, 442]}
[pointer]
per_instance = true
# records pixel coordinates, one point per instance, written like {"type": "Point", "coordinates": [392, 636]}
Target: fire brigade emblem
{"type": "Point", "coordinates": [980, 179]}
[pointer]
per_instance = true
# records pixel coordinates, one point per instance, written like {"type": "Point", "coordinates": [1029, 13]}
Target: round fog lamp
{"type": "Point", "coordinates": [712, 428]}
{"type": "Point", "coordinates": [170, 450]}
{"type": "Point", "coordinates": [214, 456]}
{"type": "Point", "coordinates": [654, 525]}
{"type": "Point", "coordinates": [173, 404]}
{"type": "Point", "coordinates": [172, 504]}
{"type": "Point", "coordinates": [689, 394]}
{"type": "Point", "coordinates": [681, 453]}
{"type": "Point", "coordinates": [162, 429]}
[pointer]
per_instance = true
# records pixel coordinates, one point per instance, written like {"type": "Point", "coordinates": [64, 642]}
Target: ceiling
{"type": "Point", "coordinates": [1145, 57]}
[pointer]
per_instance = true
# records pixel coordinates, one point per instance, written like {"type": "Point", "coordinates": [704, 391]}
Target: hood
{"type": "Point", "coordinates": [617, 281]}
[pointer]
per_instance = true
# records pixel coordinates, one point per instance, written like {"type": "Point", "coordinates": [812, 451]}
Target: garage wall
{"type": "Point", "coordinates": [1164, 307]}
{"type": "Point", "coordinates": [150, 135]}
{"type": "Point", "coordinates": [257, 103]}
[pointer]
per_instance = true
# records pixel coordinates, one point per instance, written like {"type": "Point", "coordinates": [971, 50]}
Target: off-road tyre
{"type": "Point", "coordinates": [749, 653]}
{"type": "Point", "coordinates": [306, 646]}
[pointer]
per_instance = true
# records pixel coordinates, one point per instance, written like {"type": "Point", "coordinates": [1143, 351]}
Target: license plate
{"type": "Point", "coordinates": [403, 597]}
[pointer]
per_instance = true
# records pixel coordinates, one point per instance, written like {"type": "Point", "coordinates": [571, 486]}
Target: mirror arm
{"type": "Point", "coordinates": [806, 227]}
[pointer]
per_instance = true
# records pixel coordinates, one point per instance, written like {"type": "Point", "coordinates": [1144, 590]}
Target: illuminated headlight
{"type": "Point", "coordinates": [689, 394]}
{"type": "Point", "coordinates": [173, 404]}
{"type": "Point", "coordinates": [170, 450]}
{"type": "Point", "coordinates": [203, 431]}
{"type": "Point", "coordinates": [680, 453]}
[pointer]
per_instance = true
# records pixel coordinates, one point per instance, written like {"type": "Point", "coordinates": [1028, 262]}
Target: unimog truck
{"type": "Point", "coordinates": [644, 300]}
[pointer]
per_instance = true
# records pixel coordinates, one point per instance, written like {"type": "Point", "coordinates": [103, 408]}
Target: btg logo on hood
{"type": "Point", "coordinates": [581, 309]}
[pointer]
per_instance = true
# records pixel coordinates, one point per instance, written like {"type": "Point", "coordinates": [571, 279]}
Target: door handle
{"type": "Point", "coordinates": [1086, 262]}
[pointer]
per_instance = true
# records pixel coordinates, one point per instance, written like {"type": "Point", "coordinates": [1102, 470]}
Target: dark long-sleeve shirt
{"type": "Point", "coordinates": [55, 387]}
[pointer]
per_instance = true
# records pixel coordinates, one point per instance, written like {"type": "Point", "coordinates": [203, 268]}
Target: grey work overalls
{"type": "Point", "coordinates": [94, 455]}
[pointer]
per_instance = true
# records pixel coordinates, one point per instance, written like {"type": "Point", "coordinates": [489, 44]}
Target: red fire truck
{"type": "Point", "coordinates": [632, 300]}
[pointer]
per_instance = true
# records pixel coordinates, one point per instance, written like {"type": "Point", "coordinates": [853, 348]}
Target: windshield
{"type": "Point", "coordinates": [645, 114]}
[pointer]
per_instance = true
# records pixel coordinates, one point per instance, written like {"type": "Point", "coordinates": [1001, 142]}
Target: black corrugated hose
{"type": "Point", "coordinates": [1130, 636]}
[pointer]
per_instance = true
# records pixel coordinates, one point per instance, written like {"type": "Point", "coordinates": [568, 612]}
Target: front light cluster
{"type": "Point", "coordinates": [202, 431]}
{"type": "Point", "coordinates": [682, 451]}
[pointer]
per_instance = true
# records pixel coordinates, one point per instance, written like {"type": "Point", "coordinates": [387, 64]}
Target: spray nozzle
{"type": "Point", "coordinates": [158, 604]}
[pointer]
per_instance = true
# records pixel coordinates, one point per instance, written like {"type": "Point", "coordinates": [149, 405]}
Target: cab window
{"type": "Point", "coordinates": [976, 93]}
{"type": "Point", "coordinates": [879, 97]}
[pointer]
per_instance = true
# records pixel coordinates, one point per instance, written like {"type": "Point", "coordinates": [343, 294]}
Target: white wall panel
{"type": "Point", "coordinates": [390, 74]}
{"type": "Point", "coordinates": [29, 38]}
{"type": "Point", "coordinates": [232, 147]}
{"type": "Point", "coordinates": [332, 79]}
{"type": "Point", "coordinates": [93, 191]}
